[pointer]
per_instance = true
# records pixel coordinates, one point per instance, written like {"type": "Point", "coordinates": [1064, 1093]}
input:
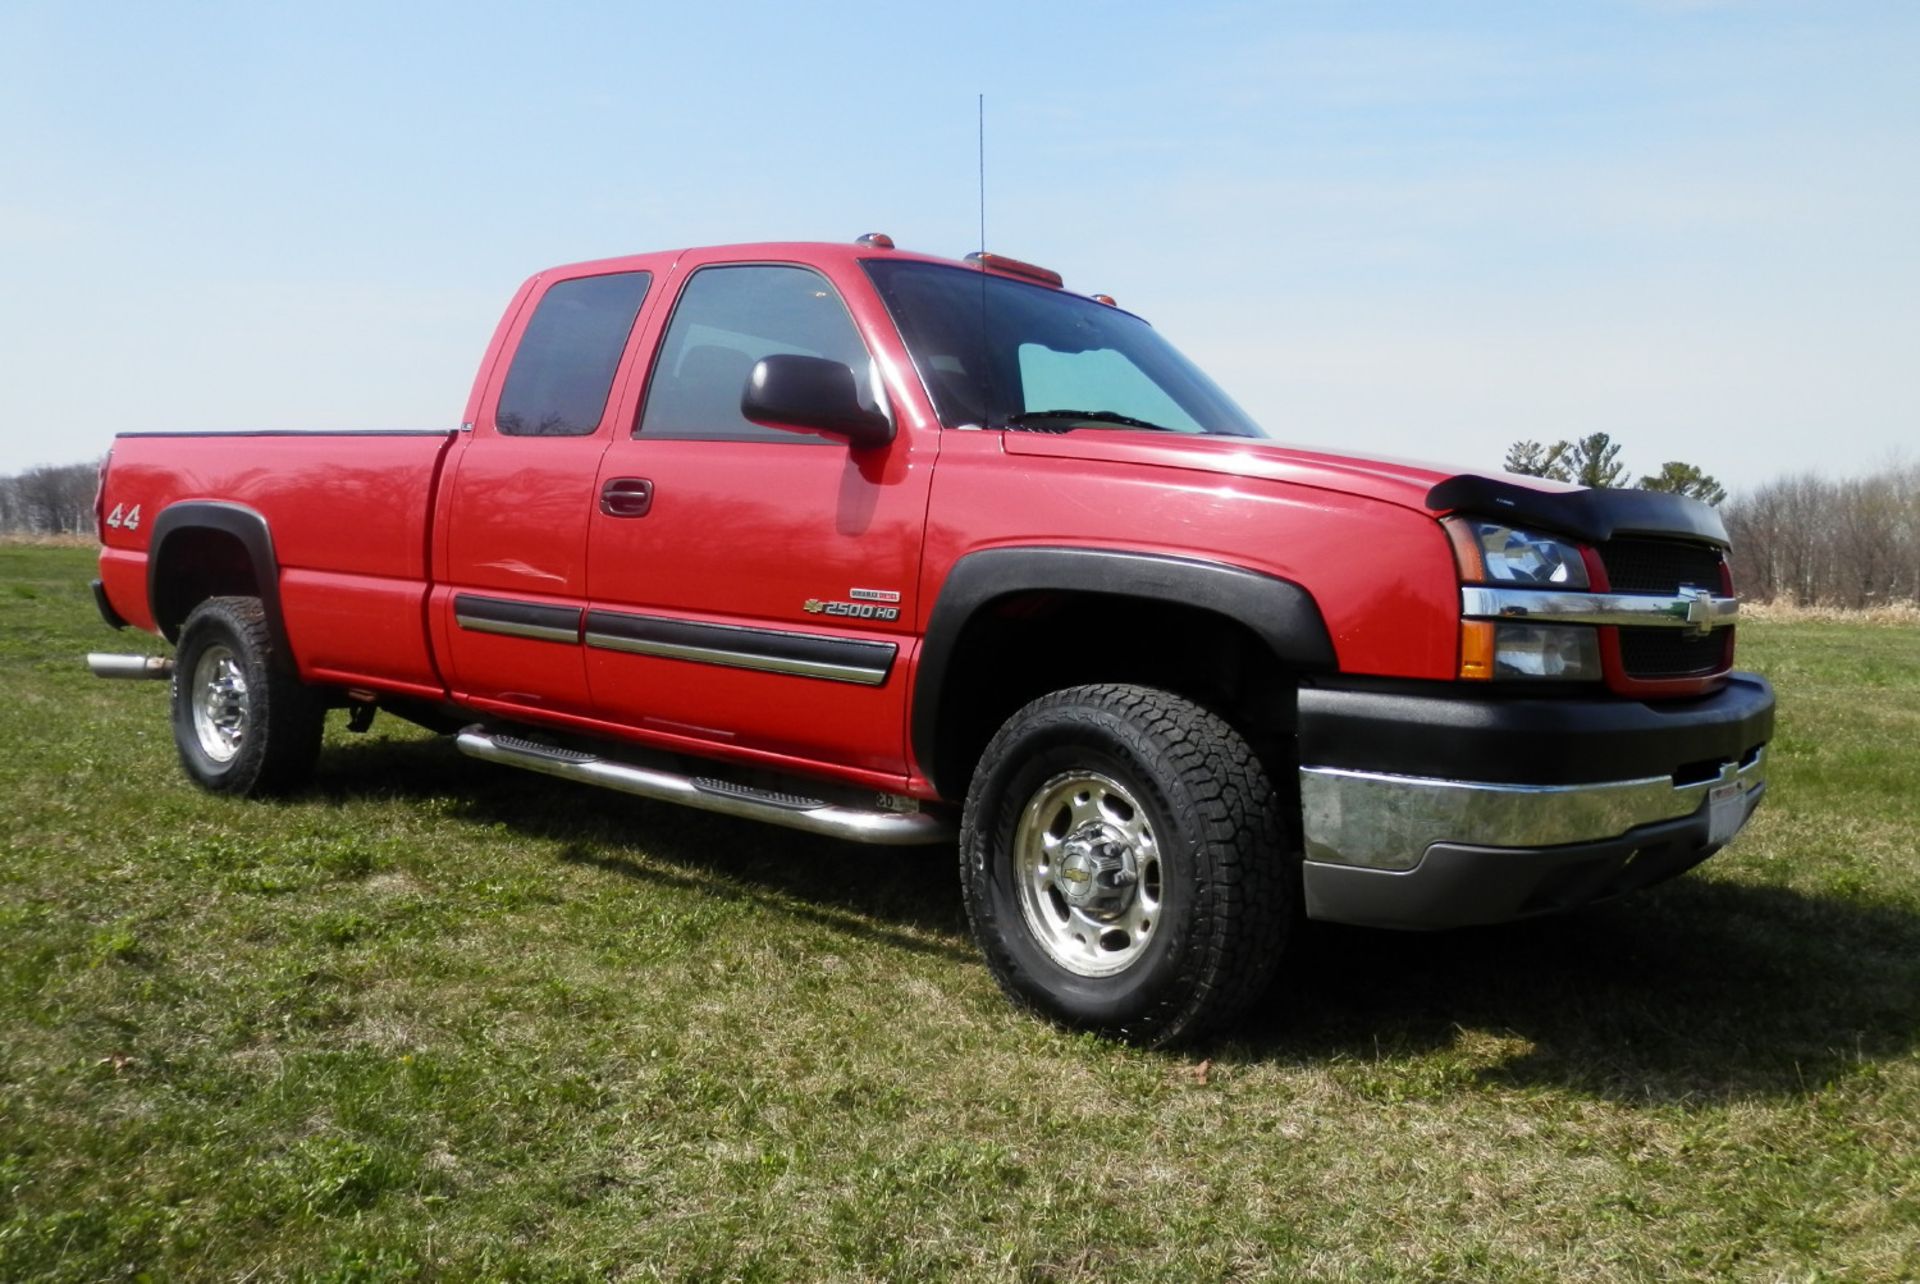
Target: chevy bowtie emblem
{"type": "Point", "coordinates": [1700, 610]}
{"type": "Point", "coordinates": [813, 606]}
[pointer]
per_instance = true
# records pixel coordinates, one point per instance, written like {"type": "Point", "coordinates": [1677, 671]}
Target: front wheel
{"type": "Point", "coordinates": [1123, 863]}
{"type": "Point", "coordinates": [242, 720]}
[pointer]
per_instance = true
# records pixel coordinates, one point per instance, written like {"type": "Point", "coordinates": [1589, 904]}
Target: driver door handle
{"type": "Point", "coordinates": [626, 497]}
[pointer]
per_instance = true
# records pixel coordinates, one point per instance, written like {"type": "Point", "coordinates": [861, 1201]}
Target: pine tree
{"type": "Point", "coordinates": [1595, 461]}
{"type": "Point", "coordinates": [1679, 478]}
{"type": "Point", "coordinates": [1531, 459]}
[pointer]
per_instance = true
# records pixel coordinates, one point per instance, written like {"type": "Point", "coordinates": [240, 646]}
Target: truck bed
{"type": "Point", "coordinates": [349, 515]}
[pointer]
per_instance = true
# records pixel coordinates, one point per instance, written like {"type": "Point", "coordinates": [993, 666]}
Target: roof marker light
{"type": "Point", "coordinates": [1106, 299]}
{"type": "Point", "coordinates": [1014, 267]}
{"type": "Point", "coordinates": [875, 241]}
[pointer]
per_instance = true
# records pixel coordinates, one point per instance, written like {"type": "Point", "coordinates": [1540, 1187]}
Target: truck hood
{"type": "Point", "coordinates": [1405, 482]}
{"type": "Point", "coordinates": [1590, 515]}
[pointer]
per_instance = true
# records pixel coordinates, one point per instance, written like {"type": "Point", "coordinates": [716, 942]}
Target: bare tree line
{"type": "Point", "coordinates": [51, 499]}
{"type": "Point", "coordinates": [1818, 542]}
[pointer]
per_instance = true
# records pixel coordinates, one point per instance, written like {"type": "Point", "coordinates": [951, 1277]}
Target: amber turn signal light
{"type": "Point", "coordinates": [1476, 650]}
{"type": "Point", "coordinates": [1466, 551]}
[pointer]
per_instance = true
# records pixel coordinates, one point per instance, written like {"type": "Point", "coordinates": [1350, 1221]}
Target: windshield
{"type": "Point", "coordinates": [999, 353]}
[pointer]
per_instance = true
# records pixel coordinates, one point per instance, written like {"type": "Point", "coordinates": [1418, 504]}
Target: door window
{"type": "Point", "coordinates": [727, 319]}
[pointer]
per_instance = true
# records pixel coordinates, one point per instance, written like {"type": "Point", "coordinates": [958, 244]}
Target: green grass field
{"type": "Point", "coordinates": [439, 1020]}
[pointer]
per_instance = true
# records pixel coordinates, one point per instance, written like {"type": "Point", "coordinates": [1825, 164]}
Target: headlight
{"type": "Point", "coordinates": [1494, 553]}
{"type": "Point", "coordinates": [1505, 650]}
{"type": "Point", "coordinates": [1566, 651]}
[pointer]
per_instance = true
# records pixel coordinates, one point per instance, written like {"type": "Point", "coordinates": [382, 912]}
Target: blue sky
{"type": "Point", "coordinates": [1418, 228]}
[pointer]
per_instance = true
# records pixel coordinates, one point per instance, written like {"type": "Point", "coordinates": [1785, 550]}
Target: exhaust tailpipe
{"type": "Point", "coordinates": [158, 667]}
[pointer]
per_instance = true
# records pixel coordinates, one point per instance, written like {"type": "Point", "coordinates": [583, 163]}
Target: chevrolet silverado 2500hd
{"type": "Point", "coordinates": [901, 549]}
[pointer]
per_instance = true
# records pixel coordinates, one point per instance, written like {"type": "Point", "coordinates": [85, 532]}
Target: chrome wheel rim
{"type": "Point", "coordinates": [219, 696]}
{"type": "Point", "coordinates": [1089, 875]}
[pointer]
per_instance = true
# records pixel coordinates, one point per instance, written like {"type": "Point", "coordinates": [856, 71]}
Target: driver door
{"type": "Point", "coordinates": [752, 588]}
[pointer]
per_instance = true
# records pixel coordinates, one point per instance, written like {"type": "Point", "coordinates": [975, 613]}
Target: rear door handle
{"type": "Point", "coordinates": [626, 497]}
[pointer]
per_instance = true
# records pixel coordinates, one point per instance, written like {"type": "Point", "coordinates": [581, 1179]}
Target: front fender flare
{"type": "Point", "coordinates": [1282, 614]}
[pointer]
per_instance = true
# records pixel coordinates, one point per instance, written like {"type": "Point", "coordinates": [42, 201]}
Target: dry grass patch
{"type": "Point", "coordinates": [1787, 611]}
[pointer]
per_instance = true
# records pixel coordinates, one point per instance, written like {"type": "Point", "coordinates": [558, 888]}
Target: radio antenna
{"type": "Point", "coordinates": [986, 354]}
{"type": "Point", "coordinates": [981, 109]}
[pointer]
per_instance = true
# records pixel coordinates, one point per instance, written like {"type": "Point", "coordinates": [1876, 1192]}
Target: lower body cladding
{"type": "Point", "coordinates": [1431, 811]}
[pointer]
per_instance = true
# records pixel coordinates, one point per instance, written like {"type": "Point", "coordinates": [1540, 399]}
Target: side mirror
{"type": "Point", "coordinates": [812, 394]}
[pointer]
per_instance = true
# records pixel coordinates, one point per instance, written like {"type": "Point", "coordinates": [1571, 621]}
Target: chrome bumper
{"type": "Point", "coordinates": [1372, 821]}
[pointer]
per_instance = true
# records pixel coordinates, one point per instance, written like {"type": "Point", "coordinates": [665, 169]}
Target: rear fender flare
{"type": "Point", "coordinates": [244, 525]}
{"type": "Point", "coordinates": [1282, 614]}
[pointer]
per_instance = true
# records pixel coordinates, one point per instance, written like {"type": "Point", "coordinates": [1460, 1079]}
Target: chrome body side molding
{"type": "Point", "coordinates": [807, 655]}
{"type": "Point", "coordinates": [542, 623]}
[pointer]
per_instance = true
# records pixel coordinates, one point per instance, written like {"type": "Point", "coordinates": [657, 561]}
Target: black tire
{"type": "Point", "coordinates": [261, 733]}
{"type": "Point", "coordinates": [1054, 789]}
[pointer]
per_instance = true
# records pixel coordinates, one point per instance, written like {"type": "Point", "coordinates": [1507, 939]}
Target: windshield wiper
{"type": "Point", "coordinates": [1086, 416]}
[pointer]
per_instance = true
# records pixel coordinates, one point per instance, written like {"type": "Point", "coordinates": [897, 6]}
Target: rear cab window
{"type": "Point", "coordinates": [564, 365]}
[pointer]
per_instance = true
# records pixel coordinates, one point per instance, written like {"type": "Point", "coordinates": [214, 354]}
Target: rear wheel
{"type": "Point", "coordinates": [1123, 865]}
{"type": "Point", "coordinates": [242, 721]}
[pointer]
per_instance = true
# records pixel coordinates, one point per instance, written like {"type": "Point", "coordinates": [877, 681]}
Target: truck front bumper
{"type": "Point", "coordinates": [1430, 810]}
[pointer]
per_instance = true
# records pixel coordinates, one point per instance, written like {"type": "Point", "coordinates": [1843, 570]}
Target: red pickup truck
{"type": "Point", "coordinates": [896, 548]}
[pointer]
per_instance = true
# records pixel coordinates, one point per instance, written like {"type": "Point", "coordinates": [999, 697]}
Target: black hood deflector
{"type": "Point", "coordinates": [1593, 516]}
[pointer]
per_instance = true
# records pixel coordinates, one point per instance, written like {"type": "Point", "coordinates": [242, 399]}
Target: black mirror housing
{"type": "Point", "coordinates": [812, 394]}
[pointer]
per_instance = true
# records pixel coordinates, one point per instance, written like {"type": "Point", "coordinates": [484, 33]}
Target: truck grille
{"type": "Point", "coordinates": [1660, 565]}
{"type": "Point", "coordinates": [1665, 566]}
{"type": "Point", "coordinates": [1669, 653]}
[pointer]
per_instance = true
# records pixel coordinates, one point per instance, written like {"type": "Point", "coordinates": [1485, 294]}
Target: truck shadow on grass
{"type": "Point", "coordinates": [906, 897]}
{"type": "Point", "coordinates": [1701, 990]}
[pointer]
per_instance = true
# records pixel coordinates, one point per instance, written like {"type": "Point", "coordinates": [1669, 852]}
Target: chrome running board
{"type": "Point", "coordinates": [880, 825]}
